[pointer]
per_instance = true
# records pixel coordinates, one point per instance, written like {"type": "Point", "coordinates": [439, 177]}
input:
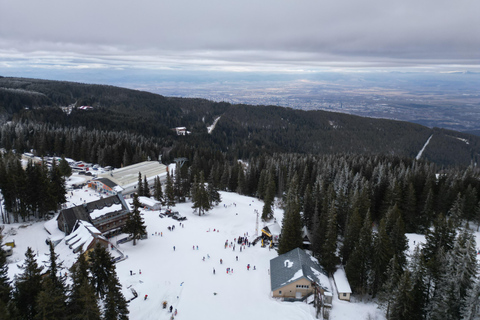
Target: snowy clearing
{"type": "Point", "coordinates": [181, 277]}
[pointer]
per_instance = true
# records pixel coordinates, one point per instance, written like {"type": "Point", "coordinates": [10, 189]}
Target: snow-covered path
{"type": "Point", "coordinates": [419, 155]}
{"type": "Point", "coordinates": [210, 128]}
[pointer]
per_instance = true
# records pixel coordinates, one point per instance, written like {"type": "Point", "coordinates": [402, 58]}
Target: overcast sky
{"type": "Point", "coordinates": [239, 35]}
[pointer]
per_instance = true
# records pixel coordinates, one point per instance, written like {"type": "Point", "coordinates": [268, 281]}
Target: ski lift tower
{"type": "Point", "coordinates": [180, 161]}
{"type": "Point", "coordinates": [256, 223]}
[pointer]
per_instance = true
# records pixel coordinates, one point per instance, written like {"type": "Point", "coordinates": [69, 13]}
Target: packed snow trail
{"type": "Point", "coordinates": [419, 155]}
{"type": "Point", "coordinates": [210, 128]}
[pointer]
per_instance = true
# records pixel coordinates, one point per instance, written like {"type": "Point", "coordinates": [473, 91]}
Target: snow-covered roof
{"type": "Point", "coordinates": [103, 211]}
{"type": "Point", "coordinates": [148, 201]}
{"type": "Point", "coordinates": [51, 226]}
{"type": "Point", "coordinates": [341, 281]}
{"type": "Point", "coordinates": [84, 234]}
{"type": "Point", "coordinates": [274, 229]}
{"type": "Point", "coordinates": [127, 176]}
{"type": "Point", "coordinates": [294, 265]}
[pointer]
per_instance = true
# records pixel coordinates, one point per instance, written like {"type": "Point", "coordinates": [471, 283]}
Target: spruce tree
{"type": "Point", "coordinates": [386, 296]}
{"type": "Point", "coordinates": [135, 226]}
{"type": "Point", "coordinates": [212, 190]}
{"type": "Point", "coordinates": [358, 268]}
{"type": "Point", "coordinates": [157, 190]}
{"type": "Point", "coordinates": [115, 304]}
{"type": "Point", "coordinates": [291, 236]}
{"type": "Point", "coordinates": [51, 301]}
{"type": "Point", "coordinates": [401, 308]}
{"type": "Point", "coordinates": [267, 211]}
{"type": "Point", "coordinates": [201, 200]}
{"type": "Point", "coordinates": [329, 259]}
{"type": "Point", "coordinates": [382, 254]}
{"type": "Point", "coordinates": [100, 266]}
{"type": "Point", "coordinates": [308, 207]}
{"type": "Point", "coordinates": [5, 288]}
{"type": "Point", "coordinates": [57, 189]}
{"type": "Point", "coordinates": [106, 284]}
{"type": "Point", "coordinates": [146, 188]}
{"type": "Point", "coordinates": [27, 287]}
{"type": "Point", "coordinates": [352, 232]}
{"type": "Point", "coordinates": [64, 168]}
{"type": "Point", "coordinates": [169, 192]}
{"type": "Point", "coordinates": [140, 190]}
{"type": "Point", "coordinates": [82, 301]}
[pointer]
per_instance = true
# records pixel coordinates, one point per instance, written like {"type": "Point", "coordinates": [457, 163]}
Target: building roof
{"type": "Point", "coordinates": [341, 281]}
{"type": "Point", "coordinates": [107, 182]}
{"type": "Point", "coordinates": [129, 175]}
{"type": "Point", "coordinates": [273, 229]}
{"type": "Point", "coordinates": [294, 265]}
{"type": "Point", "coordinates": [148, 201]}
{"type": "Point", "coordinates": [83, 236]}
{"type": "Point", "coordinates": [92, 210]}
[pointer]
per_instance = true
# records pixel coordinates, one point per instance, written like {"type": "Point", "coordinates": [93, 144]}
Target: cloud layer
{"type": "Point", "coordinates": [239, 35]}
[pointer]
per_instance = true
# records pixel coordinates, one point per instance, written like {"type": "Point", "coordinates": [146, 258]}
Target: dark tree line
{"type": "Point", "coordinates": [42, 292]}
{"type": "Point", "coordinates": [32, 192]}
{"type": "Point", "coordinates": [127, 126]}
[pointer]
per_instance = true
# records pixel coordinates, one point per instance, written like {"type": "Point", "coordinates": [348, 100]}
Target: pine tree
{"type": "Point", "coordinates": [57, 189]}
{"type": "Point", "coordinates": [308, 207]}
{"type": "Point", "coordinates": [200, 196]}
{"type": "Point", "coordinates": [352, 232]}
{"type": "Point", "coordinates": [100, 266]}
{"type": "Point", "coordinates": [115, 303]}
{"type": "Point", "coordinates": [382, 254]}
{"type": "Point", "coordinates": [51, 301]}
{"type": "Point", "coordinates": [401, 308]}
{"type": "Point", "coordinates": [399, 242]}
{"type": "Point", "coordinates": [358, 268]}
{"type": "Point", "coordinates": [291, 237]}
{"type": "Point", "coordinates": [106, 284]}
{"type": "Point", "coordinates": [158, 192]}
{"type": "Point", "coordinates": [386, 297]}
{"type": "Point", "coordinates": [212, 190]}
{"type": "Point", "coordinates": [419, 289]}
{"type": "Point", "coordinates": [140, 190]}
{"type": "Point", "coordinates": [82, 302]}
{"type": "Point", "coordinates": [437, 242]}
{"type": "Point", "coordinates": [471, 309]}
{"type": "Point", "coordinates": [458, 273]}
{"type": "Point", "coordinates": [169, 192]}
{"type": "Point", "coordinates": [27, 286]}
{"type": "Point", "coordinates": [5, 288]}
{"type": "Point", "coordinates": [64, 168]}
{"type": "Point", "coordinates": [135, 226]}
{"type": "Point", "coordinates": [329, 259]}
{"type": "Point", "coordinates": [146, 188]}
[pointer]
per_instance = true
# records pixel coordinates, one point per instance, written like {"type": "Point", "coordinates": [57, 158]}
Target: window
{"type": "Point", "coordinates": [344, 294]}
{"type": "Point", "coordinates": [301, 286]}
{"type": "Point", "coordinates": [280, 292]}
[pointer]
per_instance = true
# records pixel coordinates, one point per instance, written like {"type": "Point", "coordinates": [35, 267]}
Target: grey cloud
{"type": "Point", "coordinates": [217, 32]}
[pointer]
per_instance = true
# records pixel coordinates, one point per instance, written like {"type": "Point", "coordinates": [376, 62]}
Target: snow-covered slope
{"type": "Point", "coordinates": [181, 277]}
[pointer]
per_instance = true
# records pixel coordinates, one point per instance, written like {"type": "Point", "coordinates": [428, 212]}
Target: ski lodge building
{"type": "Point", "coordinates": [108, 215]}
{"type": "Point", "coordinates": [294, 275]}
{"type": "Point", "coordinates": [125, 180]}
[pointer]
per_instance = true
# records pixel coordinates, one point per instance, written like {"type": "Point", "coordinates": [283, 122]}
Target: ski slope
{"type": "Point", "coordinates": [181, 277]}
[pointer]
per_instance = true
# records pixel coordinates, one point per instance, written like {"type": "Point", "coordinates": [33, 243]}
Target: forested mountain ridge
{"type": "Point", "coordinates": [139, 126]}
